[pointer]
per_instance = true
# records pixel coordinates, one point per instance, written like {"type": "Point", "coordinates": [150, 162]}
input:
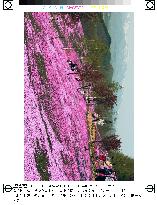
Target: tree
{"type": "Point", "coordinates": [114, 86]}
{"type": "Point", "coordinates": [105, 93]}
{"type": "Point", "coordinates": [89, 74]}
{"type": "Point", "coordinates": [102, 88]}
{"type": "Point", "coordinates": [93, 50]}
{"type": "Point", "coordinates": [109, 100]}
{"type": "Point", "coordinates": [123, 165]}
{"type": "Point", "coordinates": [96, 50]}
{"type": "Point", "coordinates": [94, 17]}
{"type": "Point", "coordinates": [112, 142]}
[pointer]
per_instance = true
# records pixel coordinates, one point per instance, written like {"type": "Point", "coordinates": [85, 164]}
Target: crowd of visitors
{"type": "Point", "coordinates": [104, 169]}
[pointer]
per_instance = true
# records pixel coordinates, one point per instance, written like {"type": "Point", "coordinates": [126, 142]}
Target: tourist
{"type": "Point", "coordinates": [102, 157]}
{"type": "Point", "coordinates": [72, 65]}
{"type": "Point", "coordinates": [100, 178]}
{"type": "Point", "coordinates": [104, 171]}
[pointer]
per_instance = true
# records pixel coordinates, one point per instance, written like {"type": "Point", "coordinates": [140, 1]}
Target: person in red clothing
{"type": "Point", "coordinates": [102, 157]}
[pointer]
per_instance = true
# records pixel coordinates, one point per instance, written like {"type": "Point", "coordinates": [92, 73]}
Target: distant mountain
{"type": "Point", "coordinates": [98, 29]}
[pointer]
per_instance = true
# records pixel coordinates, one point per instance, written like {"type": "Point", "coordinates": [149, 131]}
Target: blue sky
{"type": "Point", "coordinates": [121, 29]}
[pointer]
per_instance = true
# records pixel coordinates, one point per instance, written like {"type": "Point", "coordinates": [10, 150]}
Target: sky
{"type": "Point", "coordinates": [121, 29]}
